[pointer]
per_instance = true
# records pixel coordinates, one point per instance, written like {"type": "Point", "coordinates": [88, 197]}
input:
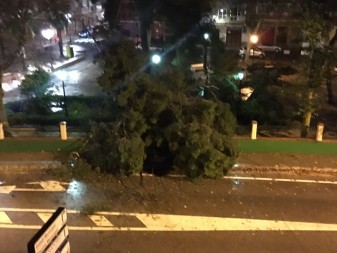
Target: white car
{"type": "Point", "coordinates": [254, 51]}
{"type": "Point", "coordinates": [267, 48]}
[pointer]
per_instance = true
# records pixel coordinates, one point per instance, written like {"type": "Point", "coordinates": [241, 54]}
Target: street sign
{"type": "Point", "coordinates": [53, 236]}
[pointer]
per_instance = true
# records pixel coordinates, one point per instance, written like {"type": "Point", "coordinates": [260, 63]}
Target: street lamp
{"type": "Point", "coordinates": [241, 75]}
{"type": "Point", "coordinates": [206, 37]}
{"type": "Point", "coordinates": [48, 34]}
{"type": "Point", "coordinates": [156, 58]}
{"type": "Point", "coordinates": [62, 76]}
{"type": "Point", "coordinates": [253, 39]}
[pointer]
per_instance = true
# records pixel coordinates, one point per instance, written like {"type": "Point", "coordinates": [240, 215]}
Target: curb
{"type": "Point", "coordinates": [69, 62]}
{"type": "Point", "coordinates": [247, 168]}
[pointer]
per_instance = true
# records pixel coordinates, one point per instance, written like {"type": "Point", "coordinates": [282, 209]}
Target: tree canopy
{"type": "Point", "coordinates": [164, 124]}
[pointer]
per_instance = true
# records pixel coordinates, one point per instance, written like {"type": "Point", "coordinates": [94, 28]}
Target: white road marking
{"type": "Point", "coordinates": [51, 186]}
{"type": "Point", "coordinates": [164, 222]}
{"type": "Point", "coordinates": [44, 216]}
{"type": "Point", "coordinates": [48, 186]}
{"type": "Point", "coordinates": [7, 189]}
{"type": "Point", "coordinates": [100, 221]}
{"type": "Point", "coordinates": [308, 181]}
{"type": "Point", "coordinates": [4, 219]}
{"type": "Point", "coordinates": [56, 186]}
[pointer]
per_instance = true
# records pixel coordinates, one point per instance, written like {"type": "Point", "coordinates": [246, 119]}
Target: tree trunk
{"type": "Point", "coordinates": [249, 43]}
{"type": "Point", "coordinates": [248, 47]}
{"type": "Point", "coordinates": [306, 124]}
{"type": "Point", "coordinates": [141, 179]}
{"type": "Point", "coordinates": [3, 116]}
{"type": "Point", "coordinates": [60, 43]}
{"type": "Point", "coordinates": [144, 37]}
{"type": "Point", "coordinates": [23, 58]}
{"type": "Point", "coordinates": [2, 45]}
{"type": "Point", "coordinates": [330, 92]}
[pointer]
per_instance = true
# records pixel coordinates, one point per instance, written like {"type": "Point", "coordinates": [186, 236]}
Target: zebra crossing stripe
{"type": "Point", "coordinates": [100, 221]}
{"type": "Point", "coordinates": [4, 219]}
{"type": "Point", "coordinates": [44, 216]}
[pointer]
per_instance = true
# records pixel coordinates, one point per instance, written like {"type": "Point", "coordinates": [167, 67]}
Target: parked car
{"type": "Point", "coordinates": [269, 48]}
{"type": "Point", "coordinates": [254, 52]}
{"type": "Point", "coordinates": [94, 31]}
{"type": "Point", "coordinates": [86, 33]}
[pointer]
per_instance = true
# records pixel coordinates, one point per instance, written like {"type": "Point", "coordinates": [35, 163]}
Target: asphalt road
{"type": "Point", "coordinates": [241, 213]}
{"type": "Point", "coordinates": [80, 78]}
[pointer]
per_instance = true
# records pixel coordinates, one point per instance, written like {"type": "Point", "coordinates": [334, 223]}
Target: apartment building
{"type": "Point", "coordinates": [280, 23]}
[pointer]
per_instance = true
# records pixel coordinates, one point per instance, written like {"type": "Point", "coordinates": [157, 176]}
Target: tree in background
{"type": "Point", "coordinates": [15, 17]}
{"type": "Point", "coordinates": [35, 88]}
{"type": "Point", "coordinates": [252, 21]}
{"type": "Point", "coordinates": [111, 11]}
{"type": "Point", "coordinates": [56, 11]}
{"type": "Point", "coordinates": [324, 10]}
{"type": "Point", "coordinates": [315, 29]}
{"type": "Point", "coordinates": [35, 84]}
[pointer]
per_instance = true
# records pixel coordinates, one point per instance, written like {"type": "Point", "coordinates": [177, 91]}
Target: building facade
{"type": "Point", "coordinates": [280, 23]}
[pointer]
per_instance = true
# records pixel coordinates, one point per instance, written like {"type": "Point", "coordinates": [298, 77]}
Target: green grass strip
{"type": "Point", "coordinates": [11, 146]}
{"type": "Point", "coordinates": [288, 146]}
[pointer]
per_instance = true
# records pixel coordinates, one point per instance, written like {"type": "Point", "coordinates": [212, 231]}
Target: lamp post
{"type": "Point", "coordinates": [241, 75]}
{"type": "Point", "coordinates": [206, 37]}
{"type": "Point", "coordinates": [253, 39]}
{"type": "Point", "coordinates": [48, 34]}
{"type": "Point", "coordinates": [62, 76]}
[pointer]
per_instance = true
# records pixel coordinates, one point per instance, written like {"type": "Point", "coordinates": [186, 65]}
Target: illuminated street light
{"type": "Point", "coordinates": [206, 36]}
{"type": "Point", "coordinates": [221, 11]}
{"type": "Point", "coordinates": [254, 39]}
{"type": "Point", "coordinates": [241, 75]}
{"type": "Point", "coordinates": [156, 59]}
{"type": "Point", "coordinates": [48, 34]}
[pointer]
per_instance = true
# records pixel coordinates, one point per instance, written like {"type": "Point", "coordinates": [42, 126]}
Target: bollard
{"type": "Point", "coordinates": [2, 136]}
{"type": "Point", "coordinates": [63, 130]}
{"type": "Point", "coordinates": [254, 130]}
{"type": "Point", "coordinates": [68, 51]}
{"type": "Point", "coordinates": [319, 132]}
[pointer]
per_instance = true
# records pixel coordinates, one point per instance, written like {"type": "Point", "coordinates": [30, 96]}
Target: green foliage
{"type": "Point", "coordinates": [16, 17]}
{"type": "Point", "coordinates": [131, 155]}
{"type": "Point", "coordinates": [268, 104]}
{"type": "Point", "coordinates": [111, 10]}
{"type": "Point", "coordinates": [119, 64]}
{"type": "Point", "coordinates": [82, 110]}
{"type": "Point", "coordinates": [204, 146]}
{"type": "Point", "coordinates": [35, 84]}
{"type": "Point", "coordinates": [163, 126]}
{"type": "Point", "coordinates": [55, 12]}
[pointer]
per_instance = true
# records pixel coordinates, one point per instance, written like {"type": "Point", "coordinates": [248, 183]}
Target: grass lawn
{"type": "Point", "coordinates": [10, 146]}
{"type": "Point", "coordinates": [288, 146]}
{"type": "Point", "coordinates": [246, 146]}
